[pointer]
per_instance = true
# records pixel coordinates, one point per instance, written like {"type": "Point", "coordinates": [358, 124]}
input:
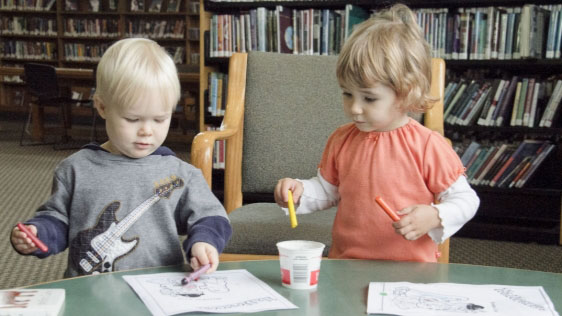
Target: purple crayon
{"type": "Point", "coordinates": [195, 274]}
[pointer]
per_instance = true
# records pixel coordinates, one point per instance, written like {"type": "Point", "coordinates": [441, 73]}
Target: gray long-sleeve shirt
{"type": "Point", "coordinates": [118, 213]}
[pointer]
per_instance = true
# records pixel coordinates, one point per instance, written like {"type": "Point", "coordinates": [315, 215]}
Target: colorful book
{"type": "Point", "coordinates": [459, 92]}
{"type": "Point", "coordinates": [528, 102]}
{"type": "Point", "coordinates": [503, 108]}
{"type": "Point", "coordinates": [528, 164]}
{"type": "Point", "coordinates": [552, 107]}
{"type": "Point", "coordinates": [533, 113]}
{"type": "Point", "coordinates": [526, 148]}
{"type": "Point", "coordinates": [173, 6]}
{"type": "Point", "coordinates": [534, 166]}
{"type": "Point", "coordinates": [489, 101]}
{"type": "Point", "coordinates": [514, 108]}
{"type": "Point", "coordinates": [37, 302]}
{"type": "Point", "coordinates": [353, 16]}
{"type": "Point", "coordinates": [521, 105]}
{"type": "Point", "coordinates": [479, 161]}
{"type": "Point", "coordinates": [497, 165]}
{"type": "Point", "coordinates": [494, 158]}
{"type": "Point", "coordinates": [285, 34]}
{"type": "Point", "coordinates": [492, 150]}
{"type": "Point", "coordinates": [155, 6]}
{"type": "Point", "coordinates": [487, 113]}
{"type": "Point", "coordinates": [513, 173]}
{"type": "Point", "coordinates": [469, 152]}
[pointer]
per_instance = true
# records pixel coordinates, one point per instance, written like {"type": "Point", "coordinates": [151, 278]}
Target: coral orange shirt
{"type": "Point", "coordinates": [406, 166]}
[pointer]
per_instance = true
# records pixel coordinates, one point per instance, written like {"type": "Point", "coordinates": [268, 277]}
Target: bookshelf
{"type": "Point", "coordinates": [74, 34]}
{"type": "Point", "coordinates": [505, 213]}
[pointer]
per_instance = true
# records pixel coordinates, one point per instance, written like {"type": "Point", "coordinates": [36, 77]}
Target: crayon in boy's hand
{"type": "Point", "coordinates": [31, 236]}
{"type": "Point", "coordinates": [292, 213]}
{"type": "Point", "coordinates": [195, 274]}
{"type": "Point", "coordinates": [387, 209]}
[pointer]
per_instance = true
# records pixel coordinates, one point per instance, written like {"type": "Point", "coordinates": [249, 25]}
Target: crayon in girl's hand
{"type": "Point", "coordinates": [31, 236]}
{"type": "Point", "coordinates": [387, 209]}
{"type": "Point", "coordinates": [292, 213]}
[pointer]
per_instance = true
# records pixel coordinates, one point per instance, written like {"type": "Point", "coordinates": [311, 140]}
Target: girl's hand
{"type": "Point", "coordinates": [283, 185]}
{"type": "Point", "coordinates": [203, 253]}
{"type": "Point", "coordinates": [22, 243]}
{"type": "Point", "coordinates": [416, 221]}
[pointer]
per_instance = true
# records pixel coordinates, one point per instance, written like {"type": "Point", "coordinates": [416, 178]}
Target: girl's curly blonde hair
{"type": "Point", "coordinates": [389, 48]}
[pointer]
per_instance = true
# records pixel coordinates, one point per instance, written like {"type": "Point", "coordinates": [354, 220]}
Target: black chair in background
{"type": "Point", "coordinates": [42, 86]}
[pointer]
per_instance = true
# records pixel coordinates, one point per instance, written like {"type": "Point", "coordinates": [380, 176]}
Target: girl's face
{"type": "Point", "coordinates": [374, 109]}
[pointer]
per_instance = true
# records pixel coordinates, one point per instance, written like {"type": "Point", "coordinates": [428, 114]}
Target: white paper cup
{"type": "Point", "coordinates": [300, 263]}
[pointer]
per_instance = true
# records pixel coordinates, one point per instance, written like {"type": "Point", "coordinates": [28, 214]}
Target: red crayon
{"type": "Point", "coordinates": [36, 240]}
{"type": "Point", "coordinates": [387, 209]}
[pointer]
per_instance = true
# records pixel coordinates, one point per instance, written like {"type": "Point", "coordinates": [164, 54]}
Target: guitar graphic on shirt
{"type": "Point", "coordinates": [96, 249]}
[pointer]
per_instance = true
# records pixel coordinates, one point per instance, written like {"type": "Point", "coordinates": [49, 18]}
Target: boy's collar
{"type": "Point", "coordinates": [161, 151]}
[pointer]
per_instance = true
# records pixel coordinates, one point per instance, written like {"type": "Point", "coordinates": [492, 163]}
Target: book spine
{"type": "Point", "coordinates": [521, 105]}
{"type": "Point", "coordinates": [514, 108]}
{"type": "Point", "coordinates": [542, 156]}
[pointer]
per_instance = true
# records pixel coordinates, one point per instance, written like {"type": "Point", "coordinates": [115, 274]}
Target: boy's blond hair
{"type": "Point", "coordinates": [133, 67]}
{"type": "Point", "coordinates": [389, 48]}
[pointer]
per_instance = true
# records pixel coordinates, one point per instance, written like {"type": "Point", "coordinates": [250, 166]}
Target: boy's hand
{"type": "Point", "coordinates": [22, 242]}
{"type": "Point", "coordinates": [203, 253]}
{"type": "Point", "coordinates": [416, 221]}
{"type": "Point", "coordinates": [285, 184]}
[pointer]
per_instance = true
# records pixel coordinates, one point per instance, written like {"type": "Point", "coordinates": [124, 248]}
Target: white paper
{"type": "Point", "coordinates": [437, 299]}
{"type": "Point", "coordinates": [230, 291]}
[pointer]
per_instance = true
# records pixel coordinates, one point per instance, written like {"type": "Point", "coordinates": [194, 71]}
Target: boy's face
{"type": "Point", "coordinates": [373, 109]}
{"type": "Point", "coordinates": [137, 131]}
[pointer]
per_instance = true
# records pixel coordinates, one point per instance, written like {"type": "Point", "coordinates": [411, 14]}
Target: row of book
{"type": "Point", "coordinates": [84, 52]}
{"type": "Point", "coordinates": [20, 25]}
{"type": "Point", "coordinates": [219, 150]}
{"type": "Point", "coordinates": [93, 52]}
{"type": "Point", "coordinates": [163, 29]}
{"type": "Point", "coordinates": [283, 30]}
{"type": "Point", "coordinates": [503, 165]}
{"type": "Point", "coordinates": [36, 50]}
{"type": "Point", "coordinates": [530, 31]}
{"type": "Point", "coordinates": [155, 6]}
{"type": "Point", "coordinates": [218, 84]}
{"type": "Point", "coordinates": [527, 102]}
{"type": "Point", "coordinates": [91, 27]}
{"type": "Point", "coordinates": [27, 5]}
{"type": "Point", "coordinates": [90, 5]}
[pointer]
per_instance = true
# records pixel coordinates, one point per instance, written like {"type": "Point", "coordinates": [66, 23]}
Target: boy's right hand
{"type": "Point", "coordinates": [285, 184]}
{"type": "Point", "coordinates": [22, 243]}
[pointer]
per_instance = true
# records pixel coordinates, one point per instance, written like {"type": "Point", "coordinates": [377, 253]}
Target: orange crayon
{"type": "Point", "coordinates": [387, 209]}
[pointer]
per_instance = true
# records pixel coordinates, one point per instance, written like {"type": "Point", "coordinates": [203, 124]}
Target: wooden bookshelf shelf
{"type": "Point", "coordinates": [182, 48]}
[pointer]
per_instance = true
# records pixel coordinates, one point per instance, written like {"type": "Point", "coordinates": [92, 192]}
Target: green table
{"type": "Point", "coordinates": [342, 288]}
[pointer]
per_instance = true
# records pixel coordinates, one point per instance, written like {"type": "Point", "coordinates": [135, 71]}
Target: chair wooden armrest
{"type": "Point", "coordinates": [202, 150]}
{"type": "Point", "coordinates": [231, 130]}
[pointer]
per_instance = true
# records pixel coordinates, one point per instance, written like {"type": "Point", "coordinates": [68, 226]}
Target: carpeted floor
{"type": "Point", "coordinates": [26, 174]}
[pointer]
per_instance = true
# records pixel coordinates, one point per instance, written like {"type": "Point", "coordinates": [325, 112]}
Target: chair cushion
{"type": "Point", "coordinates": [293, 104]}
{"type": "Point", "coordinates": [258, 227]}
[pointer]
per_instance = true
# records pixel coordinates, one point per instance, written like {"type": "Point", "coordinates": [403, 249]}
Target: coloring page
{"type": "Point", "coordinates": [440, 299]}
{"type": "Point", "coordinates": [230, 291]}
